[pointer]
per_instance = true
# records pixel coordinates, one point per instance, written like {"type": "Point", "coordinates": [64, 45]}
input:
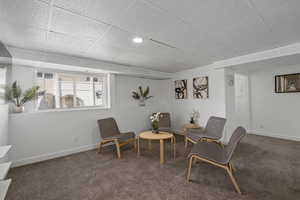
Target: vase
{"type": "Point", "coordinates": [18, 109]}
{"type": "Point", "coordinates": [156, 131]}
{"type": "Point", "coordinates": [142, 103]}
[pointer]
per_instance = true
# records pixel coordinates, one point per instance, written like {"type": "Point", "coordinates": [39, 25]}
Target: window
{"type": "Point", "coordinates": [63, 90]}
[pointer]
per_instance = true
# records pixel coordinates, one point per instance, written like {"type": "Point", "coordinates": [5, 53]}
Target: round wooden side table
{"type": "Point", "coordinates": [161, 136]}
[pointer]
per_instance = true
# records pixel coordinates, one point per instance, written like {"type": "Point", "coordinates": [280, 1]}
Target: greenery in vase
{"type": "Point", "coordinates": [154, 120]}
{"type": "Point", "coordinates": [15, 95]}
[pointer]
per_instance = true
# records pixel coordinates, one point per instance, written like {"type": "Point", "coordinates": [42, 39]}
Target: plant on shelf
{"type": "Point", "coordinates": [15, 95]}
{"type": "Point", "coordinates": [141, 95]}
{"type": "Point", "coordinates": [154, 121]}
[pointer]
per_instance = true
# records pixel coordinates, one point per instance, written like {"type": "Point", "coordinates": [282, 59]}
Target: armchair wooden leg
{"type": "Point", "coordinates": [118, 149]}
{"type": "Point", "coordinates": [189, 168]}
{"type": "Point", "coordinates": [237, 188]}
{"type": "Point", "coordinates": [232, 168]}
{"type": "Point", "coordinates": [99, 147]}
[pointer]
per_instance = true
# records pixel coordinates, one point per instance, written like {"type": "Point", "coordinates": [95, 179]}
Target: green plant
{"type": "Point", "coordinates": [141, 95]}
{"type": "Point", "coordinates": [15, 95]}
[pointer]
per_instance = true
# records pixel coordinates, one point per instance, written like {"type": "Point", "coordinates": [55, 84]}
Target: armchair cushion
{"type": "Point", "coordinates": [126, 136]}
{"type": "Point", "coordinates": [210, 151]}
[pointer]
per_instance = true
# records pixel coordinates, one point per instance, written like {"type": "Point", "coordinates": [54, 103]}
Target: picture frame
{"type": "Point", "coordinates": [201, 87]}
{"type": "Point", "coordinates": [287, 83]}
{"type": "Point", "coordinates": [181, 89]}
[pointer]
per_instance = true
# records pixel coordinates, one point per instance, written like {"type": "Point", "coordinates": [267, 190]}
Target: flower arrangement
{"type": "Point", "coordinates": [193, 116]}
{"type": "Point", "coordinates": [154, 121]}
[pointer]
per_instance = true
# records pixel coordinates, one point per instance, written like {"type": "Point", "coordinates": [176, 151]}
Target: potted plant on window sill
{"type": "Point", "coordinates": [142, 96]}
{"type": "Point", "coordinates": [18, 98]}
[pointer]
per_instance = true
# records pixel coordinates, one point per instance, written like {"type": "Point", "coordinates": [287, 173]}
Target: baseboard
{"type": "Point", "coordinates": [275, 135]}
{"type": "Point", "coordinates": [39, 158]}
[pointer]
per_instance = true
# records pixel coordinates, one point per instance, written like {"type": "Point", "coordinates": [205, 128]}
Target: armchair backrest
{"type": "Point", "coordinates": [108, 127]}
{"type": "Point", "coordinates": [164, 120]}
{"type": "Point", "coordinates": [215, 127]}
{"type": "Point", "coordinates": [236, 137]}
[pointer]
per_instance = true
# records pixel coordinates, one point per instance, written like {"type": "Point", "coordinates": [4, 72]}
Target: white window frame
{"type": "Point", "coordinates": [106, 90]}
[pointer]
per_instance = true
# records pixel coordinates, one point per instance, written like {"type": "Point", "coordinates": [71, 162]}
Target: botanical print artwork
{"type": "Point", "coordinates": [287, 83]}
{"type": "Point", "coordinates": [200, 87]}
{"type": "Point", "coordinates": [181, 89]}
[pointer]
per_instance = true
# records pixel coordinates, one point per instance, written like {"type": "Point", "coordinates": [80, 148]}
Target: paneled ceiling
{"type": "Point", "coordinates": [177, 34]}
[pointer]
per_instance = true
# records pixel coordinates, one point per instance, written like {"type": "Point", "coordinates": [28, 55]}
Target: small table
{"type": "Point", "coordinates": [161, 136]}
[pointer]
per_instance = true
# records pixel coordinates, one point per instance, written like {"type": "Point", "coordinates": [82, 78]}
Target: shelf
{"type": "Point", "coordinates": [4, 167]}
{"type": "Point", "coordinates": [4, 188]}
{"type": "Point", "coordinates": [4, 150]}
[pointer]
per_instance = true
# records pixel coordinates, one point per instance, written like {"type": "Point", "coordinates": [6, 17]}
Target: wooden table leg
{"type": "Point", "coordinates": [138, 145]}
{"type": "Point", "coordinates": [162, 152]}
{"type": "Point", "coordinates": [149, 145]}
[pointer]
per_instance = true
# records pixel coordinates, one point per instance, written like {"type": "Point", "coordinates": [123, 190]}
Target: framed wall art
{"type": "Point", "coordinates": [287, 83]}
{"type": "Point", "coordinates": [200, 87]}
{"type": "Point", "coordinates": [181, 89]}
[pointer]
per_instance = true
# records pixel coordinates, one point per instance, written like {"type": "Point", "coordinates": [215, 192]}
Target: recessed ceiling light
{"type": "Point", "coordinates": [137, 40]}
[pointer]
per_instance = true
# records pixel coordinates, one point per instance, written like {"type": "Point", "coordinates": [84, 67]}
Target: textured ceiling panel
{"type": "Point", "coordinates": [177, 34]}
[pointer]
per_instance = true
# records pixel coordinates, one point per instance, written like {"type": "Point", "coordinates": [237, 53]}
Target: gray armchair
{"type": "Point", "coordinates": [220, 157]}
{"type": "Point", "coordinates": [110, 132]}
{"type": "Point", "coordinates": [213, 131]}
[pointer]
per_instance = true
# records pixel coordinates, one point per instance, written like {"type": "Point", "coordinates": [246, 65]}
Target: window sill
{"type": "Point", "coordinates": [62, 110]}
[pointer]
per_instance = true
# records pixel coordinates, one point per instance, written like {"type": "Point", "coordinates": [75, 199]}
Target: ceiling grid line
{"type": "Point", "coordinates": [49, 19]}
{"type": "Point", "coordinates": [253, 6]}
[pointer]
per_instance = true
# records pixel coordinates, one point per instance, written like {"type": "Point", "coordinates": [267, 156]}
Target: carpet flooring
{"type": "Point", "coordinates": [267, 168]}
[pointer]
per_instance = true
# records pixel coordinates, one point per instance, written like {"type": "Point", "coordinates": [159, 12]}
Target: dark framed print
{"type": "Point", "coordinates": [181, 89]}
{"type": "Point", "coordinates": [200, 87]}
{"type": "Point", "coordinates": [287, 83]}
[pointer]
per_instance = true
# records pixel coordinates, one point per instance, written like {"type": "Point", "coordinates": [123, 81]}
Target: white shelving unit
{"type": "Point", "coordinates": [4, 167]}
{"type": "Point", "coordinates": [4, 150]}
{"type": "Point", "coordinates": [4, 188]}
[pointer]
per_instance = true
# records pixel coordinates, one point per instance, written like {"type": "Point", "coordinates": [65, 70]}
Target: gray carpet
{"type": "Point", "coordinates": [267, 168]}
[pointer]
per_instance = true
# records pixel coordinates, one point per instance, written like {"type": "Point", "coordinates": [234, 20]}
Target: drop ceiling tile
{"type": "Point", "coordinates": [144, 19]}
{"type": "Point", "coordinates": [76, 25]}
{"type": "Point", "coordinates": [109, 52]}
{"type": "Point", "coordinates": [208, 14]}
{"type": "Point", "coordinates": [180, 35]}
{"type": "Point", "coordinates": [123, 39]}
{"type": "Point", "coordinates": [27, 12]}
{"type": "Point", "coordinates": [22, 36]}
{"type": "Point", "coordinates": [283, 18]}
{"type": "Point", "coordinates": [65, 43]}
{"type": "Point", "coordinates": [108, 11]}
{"type": "Point", "coordinates": [77, 6]}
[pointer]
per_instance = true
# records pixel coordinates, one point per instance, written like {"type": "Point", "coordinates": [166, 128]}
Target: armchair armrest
{"type": "Point", "coordinates": [196, 130]}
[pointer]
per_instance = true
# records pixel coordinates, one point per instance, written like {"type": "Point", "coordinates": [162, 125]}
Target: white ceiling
{"type": "Point", "coordinates": [178, 34]}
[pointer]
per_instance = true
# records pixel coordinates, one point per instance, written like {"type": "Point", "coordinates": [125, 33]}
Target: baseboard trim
{"type": "Point", "coordinates": [274, 135]}
{"type": "Point", "coordinates": [43, 157]}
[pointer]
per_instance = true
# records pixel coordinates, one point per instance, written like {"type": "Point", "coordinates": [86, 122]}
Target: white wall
{"type": "Point", "coordinates": [274, 114]}
{"type": "Point", "coordinates": [39, 136]}
{"type": "Point", "coordinates": [214, 105]}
